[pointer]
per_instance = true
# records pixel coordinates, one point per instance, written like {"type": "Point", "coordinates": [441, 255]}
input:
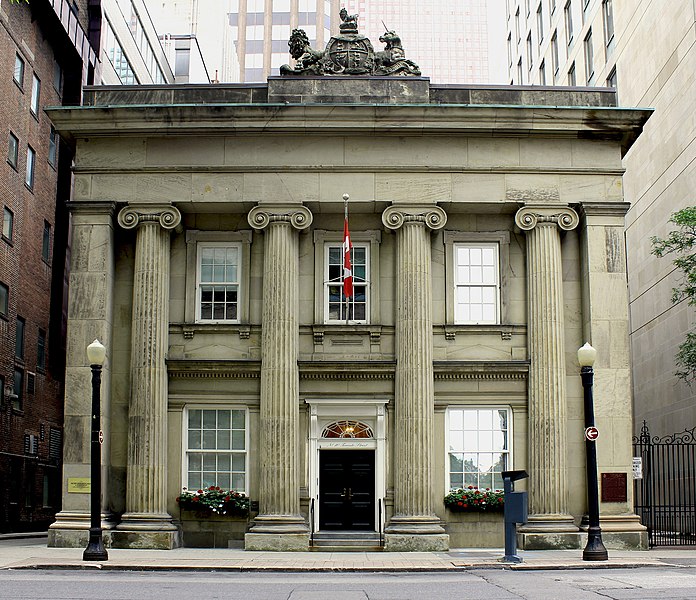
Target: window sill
{"type": "Point", "coordinates": [450, 331]}
{"type": "Point", "coordinates": [13, 165]}
{"type": "Point", "coordinates": [189, 330]}
{"type": "Point", "coordinates": [8, 241]}
{"type": "Point", "coordinates": [319, 331]}
{"type": "Point", "coordinates": [29, 187]}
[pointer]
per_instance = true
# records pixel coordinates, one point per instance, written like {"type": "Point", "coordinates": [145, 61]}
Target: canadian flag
{"type": "Point", "coordinates": [347, 271]}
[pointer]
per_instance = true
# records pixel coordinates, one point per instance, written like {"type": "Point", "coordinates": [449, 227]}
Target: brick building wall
{"type": "Point", "coordinates": [32, 263]}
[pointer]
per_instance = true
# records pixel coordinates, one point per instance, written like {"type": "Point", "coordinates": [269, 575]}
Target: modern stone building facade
{"type": "Point", "coordinates": [487, 233]}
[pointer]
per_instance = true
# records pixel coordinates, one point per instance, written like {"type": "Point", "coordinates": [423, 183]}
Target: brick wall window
{"type": "Point", "coordinates": [19, 70]}
{"type": "Point", "coordinates": [41, 350]}
{"type": "Point", "coordinates": [13, 150]}
{"type": "Point", "coordinates": [19, 338]}
{"type": "Point", "coordinates": [53, 147]}
{"type": "Point", "coordinates": [46, 242]}
{"type": "Point", "coordinates": [4, 299]}
{"type": "Point", "coordinates": [35, 95]}
{"type": "Point", "coordinates": [18, 389]}
{"type": "Point", "coordinates": [7, 224]}
{"type": "Point", "coordinates": [31, 164]}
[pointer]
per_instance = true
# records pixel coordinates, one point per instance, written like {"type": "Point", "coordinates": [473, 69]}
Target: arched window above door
{"type": "Point", "coordinates": [347, 429]}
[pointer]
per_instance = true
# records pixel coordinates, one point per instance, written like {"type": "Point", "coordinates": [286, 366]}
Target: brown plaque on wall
{"type": "Point", "coordinates": [614, 487]}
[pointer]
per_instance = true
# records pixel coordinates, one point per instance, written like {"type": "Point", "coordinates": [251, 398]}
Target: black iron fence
{"type": "Point", "coordinates": [665, 497]}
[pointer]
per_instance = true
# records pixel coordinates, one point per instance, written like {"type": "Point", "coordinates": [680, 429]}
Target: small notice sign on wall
{"type": "Point", "coordinates": [614, 487]}
{"type": "Point", "coordinates": [79, 485]}
{"type": "Point", "coordinates": [637, 467]}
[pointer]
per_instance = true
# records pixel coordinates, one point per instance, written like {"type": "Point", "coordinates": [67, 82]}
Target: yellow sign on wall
{"type": "Point", "coordinates": [79, 485]}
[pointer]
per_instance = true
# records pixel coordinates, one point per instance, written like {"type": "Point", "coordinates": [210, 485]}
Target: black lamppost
{"type": "Point", "coordinates": [95, 547]}
{"type": "Point", "coordinates": [594, 550]}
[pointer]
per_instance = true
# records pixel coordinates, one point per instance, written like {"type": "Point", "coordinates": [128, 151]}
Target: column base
{"type": "Point", "coordinates": [415, 534]}
{"type": "Point", "coordinates": [620, 532]}
{"type": "Point", "coordinates": [71, 529]}
{"type": "Point", "coordinates": [154, 531]}
{"type": "Point", "coordinates": [549, 532]}
{"type": "Point", "coordinates": [278, 533]}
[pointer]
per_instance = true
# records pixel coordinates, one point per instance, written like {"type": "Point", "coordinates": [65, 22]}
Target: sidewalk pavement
{"type": "Point", "coordinates": [29, 551]}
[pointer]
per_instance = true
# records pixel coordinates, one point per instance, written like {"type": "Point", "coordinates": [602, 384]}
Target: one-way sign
{"type": "Point", "coordinates": [591, 434]}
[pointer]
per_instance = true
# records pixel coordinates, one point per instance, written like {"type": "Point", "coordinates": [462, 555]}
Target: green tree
{"type": "Point", "coordinates": [682, 243]}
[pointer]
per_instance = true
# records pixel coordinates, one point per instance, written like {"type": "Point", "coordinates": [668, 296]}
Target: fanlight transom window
{"type": "Point", "coordinates": [347, 429]}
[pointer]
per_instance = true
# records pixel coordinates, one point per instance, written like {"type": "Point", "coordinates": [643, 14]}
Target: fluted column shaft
{"type": "Point", "coordinates": [146, 484]}
{"type": "Point", "coordinates": [279, 499]}
{"type": "Point", "coordinates": [414, 386]}
{"type": "Point", "coordinates": [548, 463]}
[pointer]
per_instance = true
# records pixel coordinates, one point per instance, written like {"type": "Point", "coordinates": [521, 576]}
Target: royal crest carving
{"type": "Point", "coordinates": [349, 53]}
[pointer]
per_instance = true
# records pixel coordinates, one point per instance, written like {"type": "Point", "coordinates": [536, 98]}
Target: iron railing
{"type": "Point", "coordinates": [311, 523]}
{"type": "Point", "coordinates": [379, 520]}
{"type": "Point", "coordinates": [665, 498]}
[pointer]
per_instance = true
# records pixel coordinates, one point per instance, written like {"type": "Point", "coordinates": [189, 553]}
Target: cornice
{"type": "Point", "coordinates": [480, 370]}
{"type": "Point", "coordinates": [213, 369]}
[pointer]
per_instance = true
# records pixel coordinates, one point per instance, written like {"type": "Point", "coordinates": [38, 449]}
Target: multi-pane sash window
{"type": "Point", "coordinates": [478, 447]}
{"type": "Point", "coordinates": [336, 307]}
{"type": "Point", "coordinates": [52, 146]}
{"type": "Point", "coordinates": [608, 17]}
{"type": "Point", "coordinates": [568, 16]}
{"type": "Point", "coordinates": [589, 57]}
{"type": "Point", "coordinates": [477, 284]}
{"type": "Point", "coordinates": [19, 338]}
{"type": "Point", "coordinates": [4, 299]}
{"type": "Point", "coordinates": [218, 282]}
{"type": "Point", "coordinates": [216, 449]}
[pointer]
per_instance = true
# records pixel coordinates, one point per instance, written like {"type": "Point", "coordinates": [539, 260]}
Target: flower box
{"type": "Point", "coordinates": [214, 501]}
{"type": "Point", "coordinates": [473, 499]}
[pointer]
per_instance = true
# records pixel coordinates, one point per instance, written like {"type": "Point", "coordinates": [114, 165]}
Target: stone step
{"type": "Point", "coordinates": [346, 541]}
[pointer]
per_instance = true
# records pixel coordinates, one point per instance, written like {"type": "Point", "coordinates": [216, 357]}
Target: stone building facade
{"type": "Point", "coordinates": [487, 247]}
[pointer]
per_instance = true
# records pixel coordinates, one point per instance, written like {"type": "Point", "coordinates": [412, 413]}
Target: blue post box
{"type": "Point", "coordinates": [516, 510]}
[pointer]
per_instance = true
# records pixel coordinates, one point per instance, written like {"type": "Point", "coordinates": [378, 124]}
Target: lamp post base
{"type": "Point", "coordinates": [95, 547]}
{"type": "Point", "coordinates": [594, 550]}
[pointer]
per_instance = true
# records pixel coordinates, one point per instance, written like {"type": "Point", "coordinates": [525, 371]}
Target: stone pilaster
{"type": "Point", "coordinates": [549, 519]}
{"type": "Point", "coordinates": [146, 523]}
{"type": "Point", "coordinates": [279, 525]}
{"type": "Point", "coordinates": [90, 313]}
{"type": "Point", "coordinates": [414, 525]}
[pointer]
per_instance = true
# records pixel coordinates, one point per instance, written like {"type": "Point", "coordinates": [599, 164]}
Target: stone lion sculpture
{"type": "Point", "coordinates": [308, 59]}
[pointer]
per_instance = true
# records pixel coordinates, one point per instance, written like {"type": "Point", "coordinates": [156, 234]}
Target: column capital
{"type": "Point", "coordinates": [531, 215]}
{"type": "Point", "coordinates": [429, 215]}
{"type": "Point", "coordinates": [263, 215]}
{"type": "Point", "coordinates": [133, 215]}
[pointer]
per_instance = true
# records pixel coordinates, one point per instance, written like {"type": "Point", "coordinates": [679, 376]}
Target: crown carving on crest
{"type": "Point", "coordinates": [349, 53]}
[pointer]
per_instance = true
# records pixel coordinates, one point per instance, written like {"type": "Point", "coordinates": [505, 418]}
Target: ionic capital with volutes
{"type": "Point", "coordinates": [264, 215]}
{"type": "Point", "coordinates": [165, 215]}
{"type": "Point", "coordinates": [530, 216]}
{"type": "Point", "coordinates": [433, 217]}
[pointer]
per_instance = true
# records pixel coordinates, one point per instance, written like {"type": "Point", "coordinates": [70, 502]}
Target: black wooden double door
{"type": "Point", "coordinates": [347, 489]}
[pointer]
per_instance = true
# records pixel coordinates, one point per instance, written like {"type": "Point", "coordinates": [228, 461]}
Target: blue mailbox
{"type": "Point", "coordinates": [515, 512]}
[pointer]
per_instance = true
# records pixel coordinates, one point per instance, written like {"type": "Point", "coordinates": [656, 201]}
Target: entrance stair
{"type": "Point", "coordinates": [346, 541]}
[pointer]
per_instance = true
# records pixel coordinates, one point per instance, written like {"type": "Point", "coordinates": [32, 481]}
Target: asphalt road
{"type": "Point", "coordinates": [667, 583]}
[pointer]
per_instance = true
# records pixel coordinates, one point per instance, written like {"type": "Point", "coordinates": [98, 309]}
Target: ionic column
{"type": "Point", "coordinates": [279, 525]}
{"type": "Point", "coordinates": [548, 461]}
{"type": "Point", "coordinates": [414, 525]}
{"type": "Point", "coordinates": [146, 483]}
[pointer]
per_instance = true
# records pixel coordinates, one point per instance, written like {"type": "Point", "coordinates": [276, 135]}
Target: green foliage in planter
{"type": "Point", "coordinates": [214, 500]}
{"type": "Point", "coordinates": [472, 499]}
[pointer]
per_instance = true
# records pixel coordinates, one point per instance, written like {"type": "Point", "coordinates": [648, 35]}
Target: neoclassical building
{"type": "Point", "coordinates": [487, 231]}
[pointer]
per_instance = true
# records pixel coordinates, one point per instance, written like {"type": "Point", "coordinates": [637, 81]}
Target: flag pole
{"type": "Point", "coordinates": [346, 197]}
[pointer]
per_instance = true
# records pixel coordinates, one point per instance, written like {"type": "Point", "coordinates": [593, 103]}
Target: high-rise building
{"type": "Point", "coordinates": [208, 23]}
{"type": "Point", "coordinates": [46, 55]}
{"type": "Point", "coordinates": [643, 49]}
{"type": "Point", "coordinates": [448, 40]}
{"type": "Point", "coordinates": [131, 52]}
{"type": "Point", "coordinates": [561, 42]}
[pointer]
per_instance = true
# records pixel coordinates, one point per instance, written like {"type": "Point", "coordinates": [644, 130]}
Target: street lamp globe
{"type": "Point", "coordinates": [96, 353]}
{"type": "Point", "coordinates": [587, 355]}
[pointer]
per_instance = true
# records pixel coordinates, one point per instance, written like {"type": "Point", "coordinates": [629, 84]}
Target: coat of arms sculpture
{"type": "Point", "coordinates": [349, 53]}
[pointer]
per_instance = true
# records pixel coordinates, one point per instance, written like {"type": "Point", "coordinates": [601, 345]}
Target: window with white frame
{"type": "Point", "coordinates": [478, 447]}
{"type": "Point", "coordinates": [217, 289]}
{"type": "Point", "coordinates": [216, 449]}
{"type": "Point", "coordinates": [338, 308]}
{"type": "Point", "coordinates": [477, 283]}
